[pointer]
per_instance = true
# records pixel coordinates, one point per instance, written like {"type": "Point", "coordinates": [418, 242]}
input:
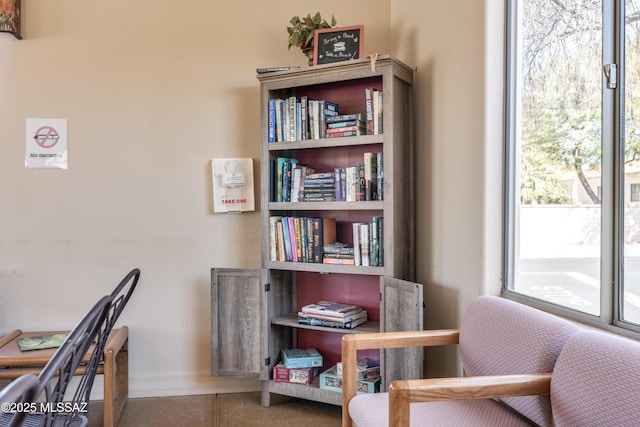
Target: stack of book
{"type": "Point", "coordinates": [338, 253]}
{"type": "Point", "coordinates": [345, 125]}
{"type": "Point", "coordinates": [332, 315]}
{"type": "Point", "coordinates": [318, 187]}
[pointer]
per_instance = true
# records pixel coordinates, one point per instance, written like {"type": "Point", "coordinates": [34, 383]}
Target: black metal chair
{"type": "Point", "coordinates": [17, 398]}
{"type": "Point", "coordinates": [91, 330]}
{"type": "Point", "coordinates": [58, 372]}
{"type": "Point", "coordinates": [120, 296]}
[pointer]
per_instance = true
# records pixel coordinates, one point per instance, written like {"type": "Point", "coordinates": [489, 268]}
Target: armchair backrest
{"type": "Point", "coordinates": [502, 337]}
{"type": "Point", "coordinates": [596, 381]}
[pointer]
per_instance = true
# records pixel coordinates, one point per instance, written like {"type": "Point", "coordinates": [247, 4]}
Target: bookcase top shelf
{"type": "Point", "coordinates": [347, 70]}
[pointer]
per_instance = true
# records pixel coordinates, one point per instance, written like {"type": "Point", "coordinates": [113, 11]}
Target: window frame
{"type": "Point", "coordinates": [612, 202]}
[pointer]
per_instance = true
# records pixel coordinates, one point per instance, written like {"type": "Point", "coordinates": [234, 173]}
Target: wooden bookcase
{"type": "Point", "coordinates": [254, 312]}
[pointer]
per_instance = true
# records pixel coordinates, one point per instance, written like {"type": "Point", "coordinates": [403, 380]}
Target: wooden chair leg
{"type": "Point", "coordinates": [116, 377]}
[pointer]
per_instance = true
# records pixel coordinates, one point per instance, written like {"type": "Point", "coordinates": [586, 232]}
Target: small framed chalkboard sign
{"type": "Point", "coordinates": [337, 44]}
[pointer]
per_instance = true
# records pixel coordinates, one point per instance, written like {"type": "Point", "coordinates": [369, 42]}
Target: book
{"type": "Point", "coordinates": [365, 248]}
{"type": "Point", "coordinates": [292, 238]}
{"type": "Point", "coordinates": [377, 105]}
{"type": "Point", "coordinates": [41, 342]}
{"type": "Point", "coordinates": [279, 107]}
{"type": "Point", "coordinates": [273, 237]}
{"type": "Point", "coordinates": [379, 114]}
{"type": "Point", "coordinates": [304, 103]}
{"type": "Point", "coordinates": [272, 179]}
{"type": "Point", "coordinates": [375, 243]}
{"type": "Point", "coordinates": [298, 238]}
{"type": "Point", "coordinates": [343, 130]}
{"type": "Point", "coordinates": [332, 309]}
{"type": "Point", "coordinates": [345, 118]}
{"type": "Point", "coordinates": [271, 112]}
{"type": "Point", "coordinates": [359, 124]}
{"type": "Point", "coordinates": [351, 181]}
{"type": "Point", "coordinates": [380, 175]}
{"type": "Point", "coordinates": [356, 243]}
{"type": "Point", "coordinates": [339, 261]}
{"type": "Point", "coordinates": [368, 102]}
{"type": "Point", "coordinates": [286, 239]}
{"type": "Point", "coordinates": [292, 118]}
{"type": "Point", "coordinates": [280, 242]}
{"type": "Point", "coordinates": [324, 230]}
{"type": "Point", "coordinates": [370, 176]}
{"type": "Point", "coordinates": [361, 186]}
{"type": "Point", "coordinates": [264, 70]}
{"type": "Point", "coordinates": [349, 318]}
{"type": "Point", "coordinates": [345, 133]}
{"type": "Point", "coordinates": [338, 248]}
{"type": "Point", "coordinates": [338, 184]}
{"type": "Point", "coordinates": [333, 324]}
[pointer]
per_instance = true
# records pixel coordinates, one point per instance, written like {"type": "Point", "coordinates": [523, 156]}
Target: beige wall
{"type": "Point", "coordinates": [151, 94]}
{"type": "Point", "coordinates": [457, 48]}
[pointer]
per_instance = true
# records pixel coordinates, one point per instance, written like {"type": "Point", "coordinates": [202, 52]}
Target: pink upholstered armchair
{"type": "Point", "coordinates": [507, 350]}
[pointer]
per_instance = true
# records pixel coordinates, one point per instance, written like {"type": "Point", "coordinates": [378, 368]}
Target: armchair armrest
{"type": "Point", "coordinates": [116, 341]}
{"type": "Point", "coordinates": [404, 392]}
{"type": "Point", "coordinates": [351, 343]}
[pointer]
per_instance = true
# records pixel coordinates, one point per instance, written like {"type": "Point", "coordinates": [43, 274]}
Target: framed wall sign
{"type": "Point", "coordinates": [337, 44]}
{"type": "Point", "coordinates": [232, 185]}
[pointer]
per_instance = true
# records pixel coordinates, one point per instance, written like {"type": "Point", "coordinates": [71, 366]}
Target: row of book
{"type": "Point", "coordinates": [332, 315]}
{"type": "Point", "coordinates": [292, 181]}
{"type": "Point", "coordinates": [300, 239]}
{"type": "Point", "coordinates": [303, 118]}
{"type": "Point", "coordinates": [298, 119]}
{"type": "Point", "coordinates": [373, 111]}
{"type": "Point", "coordinates": [313, 240]}
{"type": "Point", "coordinates": [367, 248]}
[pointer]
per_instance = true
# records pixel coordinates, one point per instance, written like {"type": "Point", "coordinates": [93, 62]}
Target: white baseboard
{"type": "Point", "coordinates": [178, 384]}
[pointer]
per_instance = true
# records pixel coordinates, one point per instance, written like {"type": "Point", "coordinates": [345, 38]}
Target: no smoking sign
{"type": "Point", "coordinates": [46, 137]}
{"type": "Point", "coordinates": [46, 143]}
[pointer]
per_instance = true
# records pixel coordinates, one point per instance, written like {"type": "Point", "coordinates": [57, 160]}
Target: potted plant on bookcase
{"type": "Point", "coordinates": [302, 29]}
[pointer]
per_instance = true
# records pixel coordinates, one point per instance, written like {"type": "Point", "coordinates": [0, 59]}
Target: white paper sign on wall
{"type": "Point", "coordinates": [46, 144]}
{"type": "Point", "coordinates": [232, 185]}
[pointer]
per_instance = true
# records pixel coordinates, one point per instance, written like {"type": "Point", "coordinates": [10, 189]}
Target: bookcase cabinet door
{"type": "Point", "coordinates": [401, 309]}
{"type": "Point", "coordinates": [238, 320]}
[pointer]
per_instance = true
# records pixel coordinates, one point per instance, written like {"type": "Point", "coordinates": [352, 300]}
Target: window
{"type": "Point", "coordinates": [572, 233]}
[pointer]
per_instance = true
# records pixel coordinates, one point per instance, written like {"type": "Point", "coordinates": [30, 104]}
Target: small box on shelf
{"type": "Point", "coordinates": [330, 380]}
{"type": "Point", "coordinates": [366, 368]}
{"type": "Point", "coordinates": [301, 358]}
{"type": "Point", "coordinates": [294, 375]}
